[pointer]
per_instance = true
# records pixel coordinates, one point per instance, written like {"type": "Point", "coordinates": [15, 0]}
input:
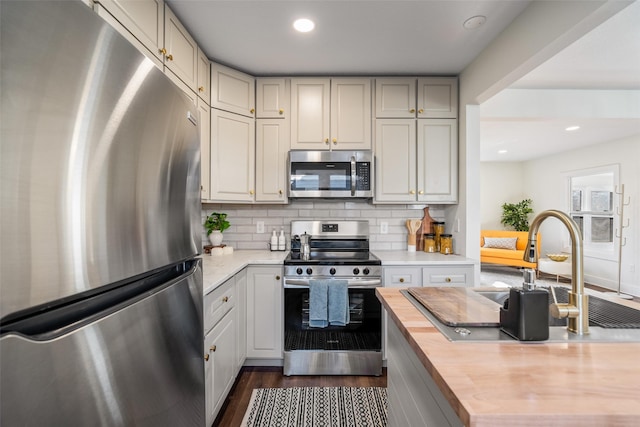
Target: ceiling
{"type": "Point", "coordinates": [425, 37]}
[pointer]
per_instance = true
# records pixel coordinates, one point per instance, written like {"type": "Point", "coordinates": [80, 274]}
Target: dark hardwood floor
{"type": "Point", "coordinates": [271, 377]}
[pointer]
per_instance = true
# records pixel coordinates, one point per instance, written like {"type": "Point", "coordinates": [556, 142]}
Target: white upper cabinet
{"type": "Point", "coordinates": [438, 97]}
{"type": "Point", "coordinates": [232, 157]}
{"type": "Point", "coordinates": [144, 19]}
{"type": "Point", "coordinates": [438, 160]}
{"type": "Point", "coordinates": [180, 50]}
{"type": "Point", "coordinates": [232, 90]}
{"type": "Point", "coordinates": [331, 113]}
{"type": "Point", "coordinates": [205, 149]}
{"type": "Point", "coordinates": [396, 97]}
{"type": "Point", "coordinates": [272, 100]}
{"type": "Point", "coordinates": [272, 146]}
{"type": "Point", "coordinates": [395, 160]}
{"type": "Point", "coordinates": [204, 77]}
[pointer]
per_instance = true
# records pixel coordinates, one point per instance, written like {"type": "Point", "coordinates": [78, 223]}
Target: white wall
{"type": "Point", "coordinates": [500, 182]}
{"type": "Point", "coordinates": [544, 182]}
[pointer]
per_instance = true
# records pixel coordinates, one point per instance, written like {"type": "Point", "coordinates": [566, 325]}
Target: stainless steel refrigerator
{"type": "Point", "coordinates": [100, 287]}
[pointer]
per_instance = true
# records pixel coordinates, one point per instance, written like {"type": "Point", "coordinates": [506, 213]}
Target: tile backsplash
{"type": "Point", "coordinates": [244, 219]}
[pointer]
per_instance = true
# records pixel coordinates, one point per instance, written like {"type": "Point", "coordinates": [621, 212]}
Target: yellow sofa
{"type": "Point", "coordinates": [507, 256]}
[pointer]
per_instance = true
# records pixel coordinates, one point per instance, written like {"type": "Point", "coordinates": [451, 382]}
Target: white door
{"type": "Point", "coordinates": [272, 146]}
{"type": "Point", "coordinates": [438, 160]}
{"type": "Point", "coordinates": [395, 160]}
{"type": "Point", "coordinates": [310, 106]}
{"type": "Point", "coordinates": [396, 97]}
{"type": "Point", "coordinates": [264, 312]}
{"type": "Point", "coordinates": [351, 114]}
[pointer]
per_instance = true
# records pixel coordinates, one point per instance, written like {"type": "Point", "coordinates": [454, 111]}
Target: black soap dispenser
{"type": "Point", "coordinates": [525, 315]}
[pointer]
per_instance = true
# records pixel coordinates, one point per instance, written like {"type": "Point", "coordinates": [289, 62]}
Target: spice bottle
{"type": "Point", "coordinates": [446, 244]}
{"type": "Point", "coordinates": [430, 242]}
{"type": "Point", "coordinates": [438, 230]}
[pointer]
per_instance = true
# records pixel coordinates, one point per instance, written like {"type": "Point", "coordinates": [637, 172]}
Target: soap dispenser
{"type": "Point", "coordinates": [525, 315]}
{"type": "Point", "coordinates": [282, 243]}
{"type": "Point", "coordinates": [274, 241]}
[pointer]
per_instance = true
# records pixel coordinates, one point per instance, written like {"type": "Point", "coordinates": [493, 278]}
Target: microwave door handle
{"type": "Point", "coordinates": [353, 175]}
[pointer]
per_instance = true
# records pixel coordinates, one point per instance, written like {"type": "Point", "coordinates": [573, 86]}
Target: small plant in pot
{"type": "Point", "coordinates": [516, 215]}
{"type": "Point", "coordinates": [215, 224]}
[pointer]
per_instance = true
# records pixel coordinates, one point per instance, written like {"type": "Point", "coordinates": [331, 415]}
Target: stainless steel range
{"type": "Point", "coordinates": [336, 251]}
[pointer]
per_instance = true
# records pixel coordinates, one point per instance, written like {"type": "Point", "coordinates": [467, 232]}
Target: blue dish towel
{"type": "Point", "coordinates": [338, 303]}
{"type": "Point", "coordinates": [318, 296]}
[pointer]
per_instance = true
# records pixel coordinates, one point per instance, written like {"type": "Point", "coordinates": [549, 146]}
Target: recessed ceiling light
{"type": "Point", "coordinates": [502, 151]}
{"type": "Point", "coordinates": [303, 25]}
{"type": "Point", "coordinates": [474, 22]}
{"type": "Point", "coordinates": [572, 128]}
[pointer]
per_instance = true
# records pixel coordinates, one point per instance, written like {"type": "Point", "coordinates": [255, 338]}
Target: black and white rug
{"type": "Point", "coordinates": [317, 407]}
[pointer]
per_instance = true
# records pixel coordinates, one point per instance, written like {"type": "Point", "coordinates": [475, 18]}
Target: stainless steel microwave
{"type": "Point", "coordinates": [330, 174]}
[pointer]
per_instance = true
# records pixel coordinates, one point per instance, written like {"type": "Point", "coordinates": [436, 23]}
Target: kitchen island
{"type": "Point", "coordinates": [505, 384]}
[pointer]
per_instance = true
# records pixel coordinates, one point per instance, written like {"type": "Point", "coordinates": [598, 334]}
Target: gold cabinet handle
{"type": "Point", "coordinates": [448, 280]}
{"type": "Point", "coordinates": [326, 140]}
{"type": "Point", "coordinates": [251, 192]}
{"type": "Point", "coordinates": [413, 110]}
{"type": "Point", "coordinates": [281, 111]}
{"type": "Point", "coordinates": [225, 299]}
{"type": "Point", "coordinates": [170, 57]}
{"type": "Point", "coordinates": [420, 192]}
{"type": "Point", "coordinates": [277, 277]}
{"type": "Point", "coordinates": [213, 348]}
{"type": "Point", "coordinates": [206, 357]}
{"type": "Point", "coordinates": [163, 51]}
{"type": "Point", "coordinates": [253, 110]}
{"type": "Point", "coordinates": [402, 280]}
{"type": "Point", "coordinates": [421, 111]}
{"type": "Point", "coordinates": [412, 192]}
{"type": "Point", "coordinates": [201, 89]}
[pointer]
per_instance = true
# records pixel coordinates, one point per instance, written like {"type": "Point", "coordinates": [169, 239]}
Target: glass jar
{"type": "Point", "coordinates": [438, 229]}
{"type": "Point", "coordinates": [429, 242]}
{"type": "Point", "coordinates": [446, 244]}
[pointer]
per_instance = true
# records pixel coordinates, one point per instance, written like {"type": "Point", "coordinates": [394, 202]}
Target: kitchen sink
{"type": "Point", "coordinates": [608, 322]}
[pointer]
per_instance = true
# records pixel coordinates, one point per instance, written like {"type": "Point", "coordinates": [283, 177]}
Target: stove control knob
{"type": "Point", "coordinates": [365, 271]}
{"type": "Point", "coordinates": [356, 270]}
{"type": "Point", "coordinates": [299, 270]}
{"type": "Point", "coordinates": [309, 271]}
{"type": "Point", "coordinates": [332, 271]}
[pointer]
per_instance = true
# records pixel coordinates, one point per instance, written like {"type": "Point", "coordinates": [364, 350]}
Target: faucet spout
{"type": "Point", "coordinates": [577, 310]}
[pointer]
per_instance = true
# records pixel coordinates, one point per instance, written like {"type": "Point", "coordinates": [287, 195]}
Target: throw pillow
{"type": "Point", "coordinates": [500, 242]}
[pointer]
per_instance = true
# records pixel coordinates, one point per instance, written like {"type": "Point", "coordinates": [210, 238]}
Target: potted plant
{"type": "Point", "coordinates": [516, 215]}
{"type": "Point", "coordinates": [215, 224]}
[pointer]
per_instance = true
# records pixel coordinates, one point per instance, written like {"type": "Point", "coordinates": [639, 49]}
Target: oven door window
{"type": "Point", "coordinates": [320, 176]}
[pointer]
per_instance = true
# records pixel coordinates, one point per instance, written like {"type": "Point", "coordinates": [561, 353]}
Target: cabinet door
{"type": "Point", "coordinates": [182, 51]}
{"type": "Point", "coordinates": [310, 106]}
{"type": "Point", "coordinates": [208, 378]}
{"type": "Point", "coordinates": [438, 160]}
{"type": "Point", "coordinates": [272, 98]}
{"type": "Point", "coordinates": [396, 97]}
{"type": "Point", "coordinates": [272, 145]}
{"type": "Point", "coordinates": [264, 312]}
{"type": "Point", "coordinates": [204, 77]}
{"type": "Point", "coordinates": [438, 97]}
{"type": "Point", "coordinates": [232, 157]}
{"type": "Point", "coordinates": [143, 18]}
{"type": "Point", "coordinates": [241, 318]}
{"type": "Point", "coordinates": [351, 114]}
{"type": "Point", "coordinates": [205, 149]}
{"type": "Point", "coordinates": [232, 90]}
{"type": "Point", "coordinates": [223, 353]}
{"type": "Point", "coordinates": [395, 160]}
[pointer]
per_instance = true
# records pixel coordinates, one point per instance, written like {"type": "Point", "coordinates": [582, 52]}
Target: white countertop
{"type": "Point", "coordinates": [420, 258]}
{"type": "Point", "coordinates": [217, 269]}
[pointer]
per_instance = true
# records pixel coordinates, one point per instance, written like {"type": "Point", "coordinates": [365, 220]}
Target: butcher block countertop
{"type": "Point", "coordinates": [524, 384]}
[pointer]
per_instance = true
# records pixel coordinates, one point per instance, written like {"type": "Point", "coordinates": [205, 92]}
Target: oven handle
{"type": "Point", "coordinates": [353, 175]}
{"type": "Point", "coordinates": [353, 283]}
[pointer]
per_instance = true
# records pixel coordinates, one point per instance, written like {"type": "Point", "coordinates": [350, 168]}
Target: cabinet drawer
{"type": "Point", "coordinates": [218, 303]}
{"type": "Point", "coordinates": [447, 276]}
{"type": "Point", "coordinates": [401, 277]}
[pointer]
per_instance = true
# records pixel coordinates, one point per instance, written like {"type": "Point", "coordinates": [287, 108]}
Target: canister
{"type": "Point", "coordinates": [429, 242]}
{"type": "Point", "coordinates": [446, 244]}
{"type": "Point", "coordinates": [438, 229]}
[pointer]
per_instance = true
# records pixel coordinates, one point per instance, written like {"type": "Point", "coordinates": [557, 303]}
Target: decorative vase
{"type": "Point", "coordinates": [424, 229]}
{"type": "Point", "coordinates": [215, 238]}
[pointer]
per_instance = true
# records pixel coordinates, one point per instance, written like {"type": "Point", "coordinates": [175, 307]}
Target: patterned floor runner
{"type": "Point", "coordinates": [317, 407]}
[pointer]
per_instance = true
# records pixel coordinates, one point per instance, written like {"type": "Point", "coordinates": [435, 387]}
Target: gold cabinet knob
{"type": "Point", "coordinates": [277, 277]}
{"type": "Point", "coordinates": [170, 57]}
{"type": "Point", "coordinates": [251, 192]}
{"type": "Point", "coordinates": [413, 110]}
{"type": "Point", "coordinates": [421, 111]}
{"type": "Point", "coordinates": [225, 299]}
{"type": "Point", "coordinates": [206, 357]}
{"type": "Point", "coordinates": [420, 192]}
{"type": "Point", "coordinates": [213, 348]}
{"type": "Point", "coordinates": [201, 89]}
{"type": "Point", "coordinates": [448, 280]}
{"type": "Point", "coordinates": [326, 140]}
{"type": "Point", "coordinates": [335, 141]}
{"type": "Point", "coordinates": [281, 111]}
{"type": "Point", "coordinates": [402, 280]}
{"type": "Point", "coordinates": [253, 110]}
{"type": "Point", "coordinates": [412, 192]}
{"type": "Point", "coordinates": [280, 192]}
{"type": "Point", "coordinates": [163, 51]}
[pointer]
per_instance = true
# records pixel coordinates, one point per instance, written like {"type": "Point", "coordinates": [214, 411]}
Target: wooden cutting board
{"type": "Point", "coordinates": [458, 306]}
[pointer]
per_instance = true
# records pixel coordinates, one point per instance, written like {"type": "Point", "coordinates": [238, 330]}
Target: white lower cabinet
{"type": "Point", "coordinates": [439, 275]}
{"type": "Point", "coordinates": [402, 277]}
{"type": "Point", "coordinates": [241, 317]}
{"type": "Point", "coordinates": [264, 312]}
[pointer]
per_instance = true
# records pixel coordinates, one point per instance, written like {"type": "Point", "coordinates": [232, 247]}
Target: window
{"type": "Point", "coordinates": [591, 202]}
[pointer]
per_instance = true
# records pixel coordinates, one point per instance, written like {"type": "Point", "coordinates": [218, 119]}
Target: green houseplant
{"type": "Point", "coordinates": [215, 224]}
{"type": "Point", "coordinates": [516, 215]}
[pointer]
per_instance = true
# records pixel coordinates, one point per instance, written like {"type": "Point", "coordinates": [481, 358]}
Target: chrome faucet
{"type": "Point", "coordinates": [577, 310]}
